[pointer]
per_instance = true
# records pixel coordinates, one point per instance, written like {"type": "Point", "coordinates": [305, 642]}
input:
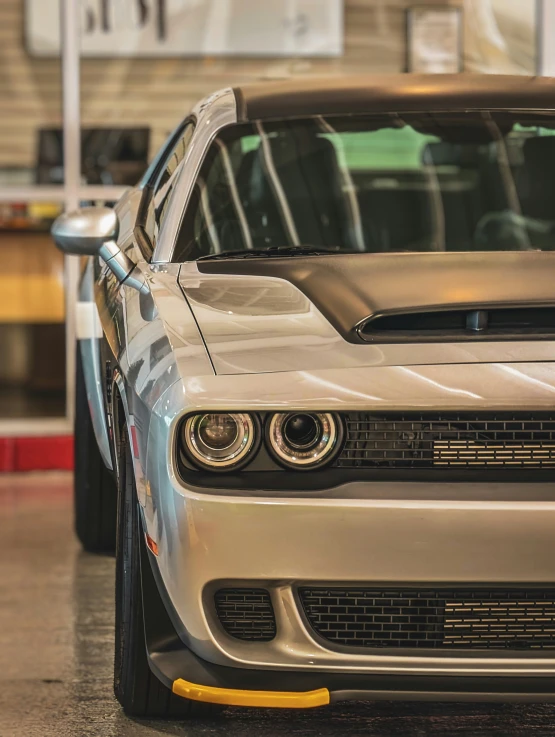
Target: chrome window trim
{"type": "Point", "coordinates": [159, 193]}
{"type": "Point", "coordinates": [212, 114]}
{"type": "Point", "coordinates": [152, 174]}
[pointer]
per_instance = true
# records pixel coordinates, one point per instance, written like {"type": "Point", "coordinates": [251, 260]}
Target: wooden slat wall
{"type": "Point", "coordinates": [159, 92]}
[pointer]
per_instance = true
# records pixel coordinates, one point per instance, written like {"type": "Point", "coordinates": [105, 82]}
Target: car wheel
{"type": "Point", "coordinates": [95, 491]}
{"type": "Point", "coordinates": [136, 688]}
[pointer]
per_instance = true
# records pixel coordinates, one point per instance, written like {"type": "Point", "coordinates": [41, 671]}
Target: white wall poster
{"type": "Point", "coordinates": [111, 28]}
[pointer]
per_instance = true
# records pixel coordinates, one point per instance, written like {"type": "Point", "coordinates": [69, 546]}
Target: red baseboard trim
{"type": "Point", "coordinates": [36, 454]}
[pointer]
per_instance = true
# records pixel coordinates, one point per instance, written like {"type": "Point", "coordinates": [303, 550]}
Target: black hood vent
{"type": "Point", "coordinates": [462, 324]}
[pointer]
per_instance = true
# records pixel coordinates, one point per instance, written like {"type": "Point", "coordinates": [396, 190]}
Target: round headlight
{"type": "Point", "coordinates": [219, 440]}
{"type": "Point", "coordinates": [303, 439]}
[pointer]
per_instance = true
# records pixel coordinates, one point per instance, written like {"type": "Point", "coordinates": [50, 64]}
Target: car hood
{"type": "Point", "coordinates": [302, 313]}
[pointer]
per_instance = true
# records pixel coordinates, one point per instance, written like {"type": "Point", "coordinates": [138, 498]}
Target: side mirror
{"type": "Point", "coordinates": [84, 232]}
{"type": "Point", "coordinates": [93, 231]}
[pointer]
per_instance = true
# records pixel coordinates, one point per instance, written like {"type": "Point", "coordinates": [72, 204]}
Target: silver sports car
{"type": "Point", "coordinates": [315, 397]}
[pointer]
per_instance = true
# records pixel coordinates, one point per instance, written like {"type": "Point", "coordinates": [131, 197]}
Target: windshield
{"type": "Point", "coordinates": [476, 181]}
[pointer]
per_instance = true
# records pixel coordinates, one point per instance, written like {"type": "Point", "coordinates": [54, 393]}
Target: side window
{"type": "Point", "coordinates": [167, 177]}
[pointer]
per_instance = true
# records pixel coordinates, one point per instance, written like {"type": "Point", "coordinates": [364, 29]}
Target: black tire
{"type": "Point", "coordinates": [136, 687]}
{"type": "Point", "coordinates": [95, 490]}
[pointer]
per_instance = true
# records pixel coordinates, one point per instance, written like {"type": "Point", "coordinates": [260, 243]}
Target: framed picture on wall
{"type": "Point", "coordinates": [434, 39]}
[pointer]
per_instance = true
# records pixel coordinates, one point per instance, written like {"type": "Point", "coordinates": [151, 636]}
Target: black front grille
{"type": "Point", "coordinates": [461, 440]}
{"type": "Point", "coordinates": [511, 619]}
{"type": "Point", "coordinates": [246, 614]}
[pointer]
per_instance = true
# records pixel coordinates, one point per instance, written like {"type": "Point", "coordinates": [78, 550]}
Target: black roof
{"type": "Point", "coordinates": [393, 93]}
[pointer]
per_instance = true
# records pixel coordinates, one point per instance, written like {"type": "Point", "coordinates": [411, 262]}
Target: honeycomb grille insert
{"type": "Point", "coordinates": [246, 614]}
{"type": "Point", "coordinates": [443, 441]}
{"type": "Point", "coordinates": [516, 619]}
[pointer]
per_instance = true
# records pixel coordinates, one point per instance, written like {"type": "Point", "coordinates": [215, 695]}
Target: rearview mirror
{"type": "Point", "coordinates": [83, 232]}
{"type": "Point", "coordinates": [93, 231]}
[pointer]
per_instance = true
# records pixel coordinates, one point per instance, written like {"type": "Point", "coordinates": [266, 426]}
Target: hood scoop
{"type": "Point", "coordinates": [426, 296]}
{"type": "Point", "coordinates": [469, 323]}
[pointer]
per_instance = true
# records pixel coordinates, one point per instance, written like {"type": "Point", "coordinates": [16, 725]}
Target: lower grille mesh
{"type": "Point", "coordinates": [460, 440]}
{"type": "Point", "coordinates": [246, 614]}
{"type": "Point", "coordinates": [519, 619]}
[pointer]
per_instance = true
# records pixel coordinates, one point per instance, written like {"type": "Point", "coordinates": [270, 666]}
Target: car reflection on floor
{"type": "Point", "coordinates": [56, 648]}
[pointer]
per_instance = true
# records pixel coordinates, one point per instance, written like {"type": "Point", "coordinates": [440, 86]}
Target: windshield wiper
{"type": "Point", "coordinates": [270, 252]}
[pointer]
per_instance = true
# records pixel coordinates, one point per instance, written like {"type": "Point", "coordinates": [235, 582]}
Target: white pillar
{"type": "Point", "coordinates": [70, 30]}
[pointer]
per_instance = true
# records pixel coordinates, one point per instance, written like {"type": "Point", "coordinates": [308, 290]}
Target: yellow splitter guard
{"type": "Point", "coordinates": [239, 697]}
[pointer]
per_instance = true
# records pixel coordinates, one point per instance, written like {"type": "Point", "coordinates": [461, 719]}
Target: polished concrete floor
{"type": "Point", "coordinates": [56, 631]}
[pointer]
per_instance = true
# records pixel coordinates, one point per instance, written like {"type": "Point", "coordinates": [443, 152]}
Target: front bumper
{"type": "Point", "coordinates": [189, 675]}
{"type": "Point", "coordinates": [371, 533]}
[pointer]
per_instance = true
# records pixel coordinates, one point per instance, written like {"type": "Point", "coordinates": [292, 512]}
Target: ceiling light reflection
{"type": "Point", "coordinates": [449, 389]}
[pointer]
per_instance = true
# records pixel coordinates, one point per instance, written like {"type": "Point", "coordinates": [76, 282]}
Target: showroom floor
{"type": "Point", "coordinates": [56, 631]}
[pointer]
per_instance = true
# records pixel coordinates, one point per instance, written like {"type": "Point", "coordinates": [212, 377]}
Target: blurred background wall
{"type": "Point", "coordinates": [499, 36]}
{"type": "Point", "coordinates": [128, 106]}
